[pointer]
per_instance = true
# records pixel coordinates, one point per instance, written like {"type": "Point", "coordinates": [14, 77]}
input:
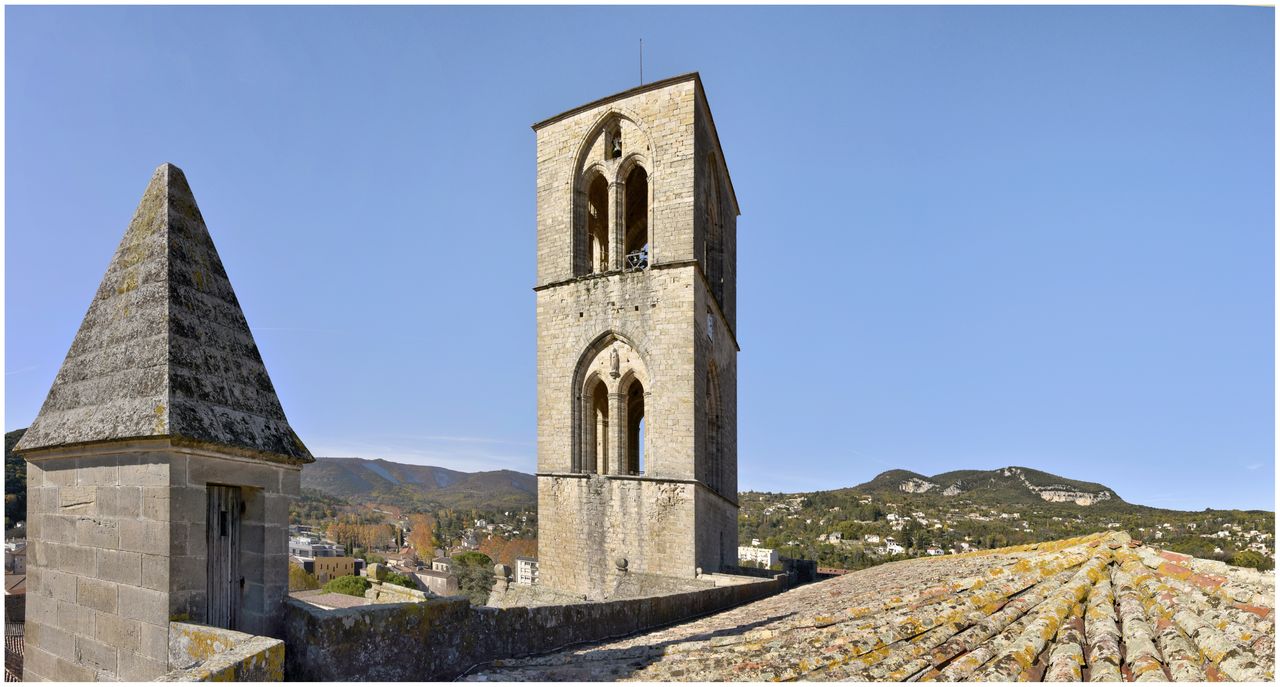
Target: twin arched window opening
{"type": "Point", "coordinates": [613, 436]}
{"type": "Point", "coordinates": [611, 230]}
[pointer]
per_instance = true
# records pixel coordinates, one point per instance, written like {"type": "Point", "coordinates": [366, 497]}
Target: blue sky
{"type": "Point", "coordinates": [971, 237]}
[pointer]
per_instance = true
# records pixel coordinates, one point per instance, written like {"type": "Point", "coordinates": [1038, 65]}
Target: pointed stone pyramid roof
{"type": "Point", "coordinates": [165, 350]}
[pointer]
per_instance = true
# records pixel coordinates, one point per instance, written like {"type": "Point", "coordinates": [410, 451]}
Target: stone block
{"type": "Point", "coordinates": [155, 572]}
{"type": "Point", "coordinates": [188, 504]}
{"type": "Point", "coordinates": [144, 536]}
{"type": "Point", "coordinates": [37, 553]}
{"type": "Point", "coordinates": [96, 655]}
{"type": "Point", "coordinates": [43, 500]}
{"type": "Point", "coordinates": [67, 670]}
{"type": "Point", "coordinates": [255, 505]}
{"type": "Point", "coordinates": [121, 633]}
{"type": "Point", "coordinates": [57, 584]}
{"type": "Point", "coordinates": [202, 471]}
{"type": "Point", "coordinates": [291, 482]}
{"type": "Point", "coordinates": [60, 473]}
{"type": "Point", "coordinates": [129, 504]}
{"type": "Point", "coordinates": [154, 503]}
{"type": "Point", "coordinates": [98, 532]}
{"type": "Point", "coordinates": [58, 528]}
{"type": "Point", "coordinates": [101, 472]}
{"type": "Point", "coordinates": [276, 540]}
{"type": "Point", "coordinates": [138, 668]}
{"type": "Point", "coordinates": [189, 604]}
{"type": "Point", "coordinates": [275, 570]}
{"type": "Point", "coordinates": [99, 595]}
{"type": "Point", "coordinates": [120, 566]}
{"type": "Point", "coordinates": [148, 471]}
{"type": "Point", "coordinates": [278, 508]}
{"type": "Point", "coordinates": [37, 664]}
{"type": "Point", "coordinates": [77, 500]}
{"type": "Point", "coordinates": [78, 560]}
{"type": "Point", "coordinates": [154, 641]}
{"type": "Point", "coordinates": [147, 605]}
{"type": "Point", "coordinates": [76, 618]}
{"type": "Point", "coordinates": [187, 572]}
{"type": "Point", "coordinates": [178, 538]}
{"type": "Point", "coordinates": [56, 641]}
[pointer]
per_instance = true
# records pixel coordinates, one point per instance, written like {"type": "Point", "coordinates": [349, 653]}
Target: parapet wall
{"type": "Point", "coordinates": [440, 639]}
{"type": "Point", "coordinates": [209, 654]}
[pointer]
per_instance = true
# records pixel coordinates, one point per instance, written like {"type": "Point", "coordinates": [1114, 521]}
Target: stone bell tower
{"type": "Point", "coordinates": [161, 465]}
{"type": "Point", "coordinates": [637, 374]}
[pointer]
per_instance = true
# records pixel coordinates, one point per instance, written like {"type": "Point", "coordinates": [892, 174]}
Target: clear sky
{"type": "Point", "coordinates": [971, 237]}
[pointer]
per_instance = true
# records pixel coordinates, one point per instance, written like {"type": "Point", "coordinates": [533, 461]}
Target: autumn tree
{"type": "Point", "coordinates": [300, 579]}
{"type": "Point", "coordinates": [422, 535]}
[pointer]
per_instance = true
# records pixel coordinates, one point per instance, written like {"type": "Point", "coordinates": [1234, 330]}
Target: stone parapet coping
{"type": "Point", "coordinates": [198, 653]}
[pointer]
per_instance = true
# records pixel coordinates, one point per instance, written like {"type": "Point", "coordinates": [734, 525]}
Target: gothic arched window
{"type": "Point", "coordinates": [636, 218]}
{"type": "Point", "coordinates": [592, 234]}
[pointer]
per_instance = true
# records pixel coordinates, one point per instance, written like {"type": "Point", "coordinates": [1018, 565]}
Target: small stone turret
{"type": "Point", "coordinates": [161, 465]}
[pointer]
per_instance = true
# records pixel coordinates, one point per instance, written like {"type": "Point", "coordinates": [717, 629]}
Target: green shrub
{"type": "Point", "coordinates": [402, 580]}
{"type": "Point", "coordinates": [1252, 559]}
{"type": "Point", "coordinates": [348, 584]}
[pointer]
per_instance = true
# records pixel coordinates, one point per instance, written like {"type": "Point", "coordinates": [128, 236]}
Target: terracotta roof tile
{"type": "Point", "coordinates": [1097, 608]}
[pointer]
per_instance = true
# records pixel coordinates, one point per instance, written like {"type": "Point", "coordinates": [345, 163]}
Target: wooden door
{"type": "Point", "coordinates": [222, 527]}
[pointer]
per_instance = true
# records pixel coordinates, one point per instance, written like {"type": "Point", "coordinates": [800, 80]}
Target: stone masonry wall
{"type": "Point", "coordinates": [661, 313]}
{"type": "Point", "coordinates": [210, 654]}
{"type": "Point", "coordinates": [117, 549]}
{"type": "Point", "coordinates": [441, 639]}
{"type": "Point", "coordinates": [587, 522]}
{"type": "Point", "coordinates": [666, 116]}
{"type": "Point", "coordinates": [98, 574]}
{"type": "Point", "coordinates": [654, 311]}
{"type": "Point", "coordinates": [267, 489]}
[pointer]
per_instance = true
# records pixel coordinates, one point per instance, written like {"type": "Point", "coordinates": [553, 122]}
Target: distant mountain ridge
{"type": "Point", "coordinates": [1012, 484]}
{"type": "Point", "coordinates": [406, 485]}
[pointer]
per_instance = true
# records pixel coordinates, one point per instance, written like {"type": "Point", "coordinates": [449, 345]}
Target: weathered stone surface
{"type": "Point", "coordinates": [1095, 608]}
{"type": "Point", "coordinates": [207, 654]}
{"type": "Point", "coordinates": [442, 637]}
{"type": "Point", "coordinates": [614, 336]}
{"type": "Point", "coordinates": [165, 350]}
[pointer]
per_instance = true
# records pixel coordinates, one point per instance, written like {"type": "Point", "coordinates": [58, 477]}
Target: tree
{"type": "Point", "coordinates": [300, 579]}
{"type": "Point", "coordinates": [475, 576]}
{"type": "Point", "coordinates": [1252, 559]}
{"type": "Point", "coordinates": [348, 584]}
{"type": "Point", "coordinates": [422, 535]}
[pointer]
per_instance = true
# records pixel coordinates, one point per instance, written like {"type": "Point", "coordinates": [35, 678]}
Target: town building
{"type": "Point", "coordinates": [15, 557]}
{"type": "Point", "coordinates": [437, 582]}
{"type": "Point", "coordinates": [329, 567]}
{"type": "Point", "coordinates": [636, 317]}
{"type": "Point", "coordinates": [314, 547]}
{"type": "Point", "coordinates": [526, 571]}
{"type": "Point", "coordinates": [758, 556]}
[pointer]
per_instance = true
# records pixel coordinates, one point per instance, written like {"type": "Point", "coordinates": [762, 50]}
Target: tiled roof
{"type": "Point", "coordinates": [165, 350]}
{"type": "Point", "coordinates": [1097, 608]}
{"type": "Point", "coordinates": [13, 650]}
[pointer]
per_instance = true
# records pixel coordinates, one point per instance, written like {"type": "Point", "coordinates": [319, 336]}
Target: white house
{"type": "Point", "coordinates": [753, 554]}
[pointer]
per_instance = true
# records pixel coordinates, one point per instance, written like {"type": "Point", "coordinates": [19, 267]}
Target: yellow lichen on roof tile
{"type": "Point", "coordinates": [1097, 607]}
